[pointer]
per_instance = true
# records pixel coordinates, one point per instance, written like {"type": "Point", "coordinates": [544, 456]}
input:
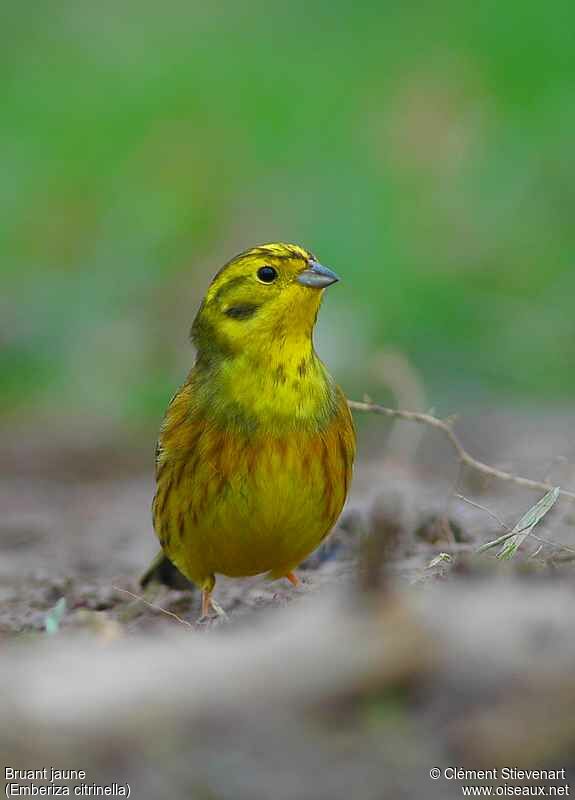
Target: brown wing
{"type": "Point", "coordinates": [176, 450]}
{"type": "Point", "coordinates": [346, 437]}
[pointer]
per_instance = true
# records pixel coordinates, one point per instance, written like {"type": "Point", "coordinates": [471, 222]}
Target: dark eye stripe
{"type": "Point", "coordinates": [241, 311]}
{"type": "Point", "coordinates": [230, 284]}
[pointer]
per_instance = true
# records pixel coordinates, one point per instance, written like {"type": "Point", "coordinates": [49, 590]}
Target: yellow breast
{"type": "Point", "coordinates": [241, 502]}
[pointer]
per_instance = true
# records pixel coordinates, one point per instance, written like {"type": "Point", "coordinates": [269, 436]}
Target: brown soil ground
{"type": "Point", "coordinates": [381, 665]}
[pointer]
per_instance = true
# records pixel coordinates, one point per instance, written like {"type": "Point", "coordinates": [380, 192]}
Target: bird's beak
{"type": "Point", "coordinates": [317, 276]}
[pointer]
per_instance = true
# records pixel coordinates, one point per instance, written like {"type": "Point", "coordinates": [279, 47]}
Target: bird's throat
{"type": "Point", "coordinates": [279, 388]}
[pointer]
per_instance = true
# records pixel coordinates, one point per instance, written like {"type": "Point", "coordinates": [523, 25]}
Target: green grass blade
{"type": "Point", "coordinates": [527, 522]}
{"type": "Point", "coordinates": [512, 539]}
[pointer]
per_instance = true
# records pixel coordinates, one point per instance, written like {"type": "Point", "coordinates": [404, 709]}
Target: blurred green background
{"type": "Point", "coordinates": [426, 152]}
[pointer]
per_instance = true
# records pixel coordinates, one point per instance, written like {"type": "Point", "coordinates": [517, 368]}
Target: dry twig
{"type": "Point", "coordinates": [462, 455]}
{"type": "Point", "coordinates": [154, 606]}
{"type": "Point", "coordinates": [491, 513]}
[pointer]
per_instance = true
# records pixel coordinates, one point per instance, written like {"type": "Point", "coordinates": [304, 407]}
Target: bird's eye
{"type": "Point", "coordinates": [267, 274]}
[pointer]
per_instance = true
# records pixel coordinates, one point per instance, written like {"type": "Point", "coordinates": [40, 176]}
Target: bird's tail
{"type": "Point", "coordinates": [161, 570]}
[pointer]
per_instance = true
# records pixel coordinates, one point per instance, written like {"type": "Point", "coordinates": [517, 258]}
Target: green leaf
{"type": "Point", "coordinates": [54, 616]}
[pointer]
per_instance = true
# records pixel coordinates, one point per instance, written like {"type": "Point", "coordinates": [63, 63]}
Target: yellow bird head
{"type": "Point", "coordinates": [267, 296]}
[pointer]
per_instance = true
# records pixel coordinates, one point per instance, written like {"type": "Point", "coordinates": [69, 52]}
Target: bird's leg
{"type": "Point", "coordinates": [208, 603]}
{"type": "Point", "coordinates": [293, 579]}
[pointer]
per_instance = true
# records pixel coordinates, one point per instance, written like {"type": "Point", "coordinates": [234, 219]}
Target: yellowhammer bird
{"type": "Point", "coordinates": [255, 453]}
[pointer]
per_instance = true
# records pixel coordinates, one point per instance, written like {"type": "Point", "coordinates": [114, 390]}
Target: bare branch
{"type": "Point", "coordinates": [462, 455]}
